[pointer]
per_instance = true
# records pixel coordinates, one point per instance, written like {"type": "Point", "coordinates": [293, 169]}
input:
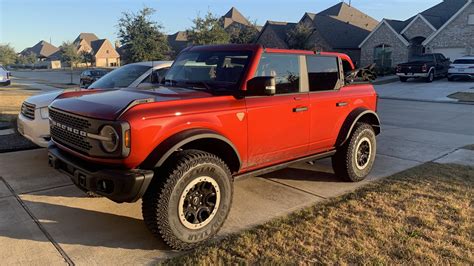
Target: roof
{"type": "Point", "coordinates": [439, 14]}
{"type": "Point", "coordinates": [234, 15]}
{"type": "Point", "coordinates": [347, 13]}
{"type": "Point", "coordinates": [86, 36]}
{"type": "Point", "coordinates": [95, 45]}
{"type": "Point", "coordinates": [398, 25]}
{"type": "Point", "coordinates": [178, 41]}
{"type": "Point", "coordinates": [279, 28]}
{"type": "Point", "coordinates": [339, 34]}
{"type": "Point", "coordinates": [41, 49]}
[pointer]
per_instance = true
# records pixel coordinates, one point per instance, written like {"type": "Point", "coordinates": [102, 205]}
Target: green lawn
{"type": "Point", "coordinates": [421, 216]}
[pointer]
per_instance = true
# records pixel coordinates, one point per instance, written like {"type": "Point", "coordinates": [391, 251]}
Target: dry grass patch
{"type": "Point", "coordinates": [469, 147]}
{"type": "Point", "coordinates": [463, 96]}
{"type": "Point", "coordinates": [420, 216]}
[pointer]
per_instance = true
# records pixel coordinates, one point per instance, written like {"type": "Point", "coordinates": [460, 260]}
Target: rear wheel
{"type": "Point", "coordinates": [355, 159]}
{"type": "Point", "coordinates": [189, 203]}
{"type": "Point", "coordinates": [403, 79]}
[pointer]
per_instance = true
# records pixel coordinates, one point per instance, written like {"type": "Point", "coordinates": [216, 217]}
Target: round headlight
{"type": "Point", "coordinates": [111, 139]}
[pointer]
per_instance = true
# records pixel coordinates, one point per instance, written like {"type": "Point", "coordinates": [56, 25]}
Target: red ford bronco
{"type": "Point", "coordinates": [222, 112]}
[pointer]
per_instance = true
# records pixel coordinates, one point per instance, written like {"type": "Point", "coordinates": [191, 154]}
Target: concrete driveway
{"type": "Point", "coordinates": [46, 220]}
{"type": "Point", "coordinates": [438, 90]}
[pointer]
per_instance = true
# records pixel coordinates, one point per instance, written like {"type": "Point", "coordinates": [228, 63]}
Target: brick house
{"type": "Point", "coordinates": [104, 53]}
{"type": "Point", "coordinates": [339, 28]}
{"type": "Point", "coordinates": [446, 28]}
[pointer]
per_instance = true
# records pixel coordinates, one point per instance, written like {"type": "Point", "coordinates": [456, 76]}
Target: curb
{"type": "Point", "coordinates": [5, 125]}
{"type": "Point", "coordinates": [427, 101]}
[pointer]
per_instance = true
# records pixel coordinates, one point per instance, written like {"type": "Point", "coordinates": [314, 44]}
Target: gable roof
{"type": "Point", "coordinates": [87, 37]}
{"type": "Point", "coordinates": [339, 34]}
{"type": "Point", "coordinates": [279, 28]}
{"type": "Point", "coordinates": [439, 14]}
{"type": "Point", "coordinates": [389, 24]}
{"type": "Point", "coordinates": [234, 15]}
{"type": "Point", "coordinates": [178, 41]}
{"type": "Point", "coordinates": [418, 17]}
{"type": "Point", "coordinates": [349, 14]}
{"type": "Point", "coordinates": [41, 49]}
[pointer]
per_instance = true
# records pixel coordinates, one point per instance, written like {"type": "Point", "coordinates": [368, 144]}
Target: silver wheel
{"type": "Point", "coordinates": [199, 202]}
{"type": "Point", "coordinates": [363, 152]}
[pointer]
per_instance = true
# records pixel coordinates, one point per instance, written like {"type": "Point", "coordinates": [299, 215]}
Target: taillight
{"type": "Point", "coordinates": [399, 68]}
{"type": "Point", "coordinates": [424, 68]}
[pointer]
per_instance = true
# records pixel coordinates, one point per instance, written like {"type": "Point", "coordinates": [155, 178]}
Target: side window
{"type": "Point", "coordinates": [285, 68]}
{"type": "Point", "coordinates": [156, 77]}
{"type": "Point", "coordinates": [323, 72]}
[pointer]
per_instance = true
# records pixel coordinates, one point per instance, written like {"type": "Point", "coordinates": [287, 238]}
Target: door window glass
{"type": "Point", "coordinates": [285, 68]}
{"type": "Point", "coordinates": [323, 72]}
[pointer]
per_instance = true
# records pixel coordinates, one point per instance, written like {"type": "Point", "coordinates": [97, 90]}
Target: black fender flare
{"type": "Point", "coordinates": [166, 148]}
{"type": "Point", "coordinates": [358, 114]}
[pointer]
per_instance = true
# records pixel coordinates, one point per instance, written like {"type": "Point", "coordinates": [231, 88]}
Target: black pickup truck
{"type": "Point", "coordinates": [427, 66]}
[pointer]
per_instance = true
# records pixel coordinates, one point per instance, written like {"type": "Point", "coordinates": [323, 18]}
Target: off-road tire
{"type": "Point", "coordinates": [431, 77]}
{"type": "Point", "coordinates": [344, 161]}
{"type": "Point", "coordinates": [161, 201]}
{"type": "Point", "coordinates": [403, 79]}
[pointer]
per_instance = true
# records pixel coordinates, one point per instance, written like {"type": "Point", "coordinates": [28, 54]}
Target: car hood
{"type": "Point", "coordinates": [108, 105]}
{"type": "Point", "coordinates": [45, 99]}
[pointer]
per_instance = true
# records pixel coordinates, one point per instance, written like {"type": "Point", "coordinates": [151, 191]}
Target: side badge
{"type": "Point", "coordinates": [240, 116]}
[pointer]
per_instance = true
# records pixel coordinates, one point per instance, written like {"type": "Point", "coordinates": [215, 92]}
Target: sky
{"type": "Point", "coordinates": [25, 22]}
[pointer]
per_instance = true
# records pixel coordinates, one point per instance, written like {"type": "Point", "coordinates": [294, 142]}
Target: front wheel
{"type": "Point", "coordinates": [355, 159]}
{"type": "Point", "coordinates": [403, 79]}
{"type": "Point", "coordinates": [189, 203]}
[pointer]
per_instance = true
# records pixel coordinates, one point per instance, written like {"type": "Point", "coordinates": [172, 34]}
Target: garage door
{"type": "Point", "coordinates": [453, 53]}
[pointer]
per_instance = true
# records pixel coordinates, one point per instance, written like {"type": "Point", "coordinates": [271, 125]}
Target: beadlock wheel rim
{"type": "Point", "coordinates": [363, 153]}
{"type": "Point", "coordinates": [199, 202]}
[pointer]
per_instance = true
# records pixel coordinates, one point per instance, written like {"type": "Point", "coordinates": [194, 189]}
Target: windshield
{"type": "Point", "coordinates": [423, 58]}
{"type": "Point", "coordinates": [121, 77]}
{"type": "Point", "coordinates": [97, 73]}
{"type": "Point", "coordinates": [209, 69]}
{"type": "Point", "coordinates": [464, 62]}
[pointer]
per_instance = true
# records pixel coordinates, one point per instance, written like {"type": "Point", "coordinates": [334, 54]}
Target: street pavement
{"type": "Point", "coordinates": [46, 220]}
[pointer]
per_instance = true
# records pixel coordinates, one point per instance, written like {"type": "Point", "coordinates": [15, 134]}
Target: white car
{"type": "Point", "coordinates": [461, 68]}
{"type": "Point", "coordinates": [4, 76]}
{"type": "Point", "coordinates": [33, 120]}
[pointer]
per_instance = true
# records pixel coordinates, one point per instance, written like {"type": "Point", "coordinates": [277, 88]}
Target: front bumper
{"type": "Point", "coordinates": [5, 82]}
{"type": "Point", "coordinates": [413, 75]}
{"type": "Point", "coordinates": [36, 130]}
{"type": "Point", "coordinates": [118, 185]}
{"type": "Point", "coordinates": [461, 75]}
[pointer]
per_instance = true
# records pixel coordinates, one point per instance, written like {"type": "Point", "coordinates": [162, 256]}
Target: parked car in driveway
{"type": "Point", "coordinates": [33, 120]}
{"type": "Point", "coordinates": [90, 76]}
{"type": "Point", "coordinates": [427, 66]}
{"type": "Point", "coordinates": [4, 76]}
{"type": "Point", "coordinates": [462, 68]}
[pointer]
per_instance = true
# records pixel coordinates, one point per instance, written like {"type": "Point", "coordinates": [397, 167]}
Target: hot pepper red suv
{"type": "Point", "coordinates": [223, 112]}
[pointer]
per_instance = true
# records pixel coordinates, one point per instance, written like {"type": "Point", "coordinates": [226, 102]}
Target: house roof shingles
{"type": "Point", "coordinates": [41, 49]}
{"type": "Point", "coordinates": [234, 15]}
{"type": "Point", "coordinates": [86, 36]}
{"type": "Point", "coordinates": [338, 34]}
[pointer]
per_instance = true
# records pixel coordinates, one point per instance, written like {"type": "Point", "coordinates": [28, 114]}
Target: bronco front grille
{"type": "Point", "coordinates": [70, 131]}
{"type": "Point", "coordinates": [28, 110]}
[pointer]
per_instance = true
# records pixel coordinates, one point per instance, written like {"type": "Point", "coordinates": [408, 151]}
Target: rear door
{"type": "Point", "coordinates": [328, 105]}
{"type": "Point", "coordinates": [278, 126]}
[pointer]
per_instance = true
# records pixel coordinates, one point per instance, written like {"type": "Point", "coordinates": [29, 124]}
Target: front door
{"type": "Point", "coordinates": [278, 126]}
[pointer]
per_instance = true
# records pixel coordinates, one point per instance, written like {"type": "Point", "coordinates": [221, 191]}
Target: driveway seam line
{"type": "Point", "coordinates": [396, 157]}
{"type": "Point", "coordinates": [38, 223]}
{"type": "Point", "coordinates": [423, 100]}
{"type": "Point", "coordinates": [46, 189]}
{"type": "Point", "coordinates": [299, 189]}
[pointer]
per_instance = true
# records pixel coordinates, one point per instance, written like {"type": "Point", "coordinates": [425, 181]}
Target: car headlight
{"type": "Point", "coordinates": [110, 139]}
{"type": "Point", "coordinates": [44, 111]}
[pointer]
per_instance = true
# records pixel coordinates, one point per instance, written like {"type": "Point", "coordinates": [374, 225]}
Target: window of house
{"type": "Point", "coordinates": [323, 72]}
{"type": "Point", "coordinates": [470, 20]}
{"type": "Point", "coordinates": [285, 68]}
{"type": "Point", "coordinates": [383, 56]}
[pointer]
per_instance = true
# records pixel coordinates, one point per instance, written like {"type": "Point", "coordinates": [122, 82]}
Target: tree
{"type": "Point", "coordinates": [8, 55]}
{"type": "Point", "coordinates": [69, 54]}
{"type": "Point", "coordinates": [142, 39]}
{"type": "Point", "coordinates": [87, 58]}
{"type": "Point", "coordinates": [208, 30]}
{"type": "Point", "coordinates": [298, 37]}
{"type": "Point", "coordinates": [28, 58]}
{"type": "Point", "coordinates": [243, 34]}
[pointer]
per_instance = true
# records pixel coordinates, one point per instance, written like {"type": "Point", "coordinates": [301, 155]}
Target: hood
{"type": "Point", "coordinates": [107, 105]}
{"type": "Point", "coordinates": [45, 99]}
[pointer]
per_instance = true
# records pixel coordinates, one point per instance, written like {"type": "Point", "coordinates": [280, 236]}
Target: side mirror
{"type": "Point", "coordinates": [261, 86]}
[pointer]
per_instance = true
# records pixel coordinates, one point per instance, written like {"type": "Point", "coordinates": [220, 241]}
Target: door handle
{"type": "Point", "coordinates": [300, 109]}
{"type": "Point", "coordinates": [341, 104]}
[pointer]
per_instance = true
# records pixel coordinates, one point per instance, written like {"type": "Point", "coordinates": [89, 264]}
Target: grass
{"type": "Point", "coordinates": [469, 147]}
{"type": "Point", "coordinates": [463, 96]}
{"type": "Point", "coordinates": [421, 216]}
